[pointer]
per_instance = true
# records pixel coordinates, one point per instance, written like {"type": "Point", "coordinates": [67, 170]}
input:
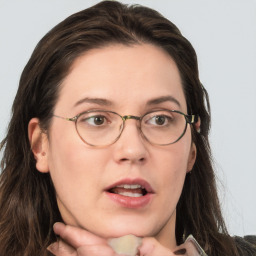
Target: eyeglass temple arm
{"type": "Point", "coordinates": [192, 119]}
{"type": "Point", "coordinates": [73, 119]}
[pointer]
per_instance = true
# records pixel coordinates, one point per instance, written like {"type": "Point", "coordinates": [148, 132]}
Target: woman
{"type": "Point", "coordinates": [109, 135]}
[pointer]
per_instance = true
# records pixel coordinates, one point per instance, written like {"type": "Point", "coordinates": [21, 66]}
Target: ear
{"type": "Point", "coordinates": [192, 157]}
{"type": "Point", "coordinates": [39, 145]}
{"type": "Point", "coordinates": [197, 125]}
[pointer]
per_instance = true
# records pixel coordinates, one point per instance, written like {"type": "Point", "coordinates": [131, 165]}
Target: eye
{"type": "Point", "coordinates": [97, 120]}
{"type": "Point", "coordinates": [94, 120]}
{"type": "Point", "coordinates": [159, 120]}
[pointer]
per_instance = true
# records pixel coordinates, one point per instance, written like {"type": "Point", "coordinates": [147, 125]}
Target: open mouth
{"type": "Point", "coordinates": [131, 193]}
{"type": "Point", "coordinates": [130, 190]}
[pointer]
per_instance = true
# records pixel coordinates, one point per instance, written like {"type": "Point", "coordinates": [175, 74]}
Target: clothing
{"type": "Point", "coordinates": [192, 247]}
{"type": "Point", "coordinates": [246, 246]}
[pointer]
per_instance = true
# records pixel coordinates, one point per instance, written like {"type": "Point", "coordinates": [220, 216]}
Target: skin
{"type": "Point", "coordinates": [128, 77]}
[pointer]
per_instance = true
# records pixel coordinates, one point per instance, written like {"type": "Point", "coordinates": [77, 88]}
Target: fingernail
{"type": "Point", "coordinates": [57, 227]}
{"type": "Point", "coordinates": [180, 252]}
{"type": "Point", "coordinates": [53, 247]}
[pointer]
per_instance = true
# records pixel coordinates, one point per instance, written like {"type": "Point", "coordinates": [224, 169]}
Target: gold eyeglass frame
{"type": "Point", "coordinates": [190, 119]}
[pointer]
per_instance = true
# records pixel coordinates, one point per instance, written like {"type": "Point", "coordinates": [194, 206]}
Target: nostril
{"type": "Point", "coordinates": [124, 159]}
{"type": "Point", "coordinates": [142, 159]}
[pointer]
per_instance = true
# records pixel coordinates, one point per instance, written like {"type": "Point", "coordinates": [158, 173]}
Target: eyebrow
{"type": "Point", "coordinates": [163, 99]}
{"type": "Point", "coordinates": [105, 102]}
{"type": "Point", "coordinates": [98, 101]}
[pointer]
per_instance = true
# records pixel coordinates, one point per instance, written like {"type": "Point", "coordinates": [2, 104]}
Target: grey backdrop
{"type": "Point", "coordinates": [224, 36]}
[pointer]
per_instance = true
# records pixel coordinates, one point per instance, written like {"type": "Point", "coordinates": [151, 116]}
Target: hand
{"type": "Point", "coordinates": [75, 241]}
{"type": "Point", "coordinates": [151, 247]}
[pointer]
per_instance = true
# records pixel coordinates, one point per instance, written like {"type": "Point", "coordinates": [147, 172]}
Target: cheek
{"type": "Point", "coordinates": [173, 163]}
{"type": "Point", "coordinates": [76, 173]}
{"type": "Point", "coordinates": [75, 169]}
{"type": "Point", "coordinates": [173, 178]}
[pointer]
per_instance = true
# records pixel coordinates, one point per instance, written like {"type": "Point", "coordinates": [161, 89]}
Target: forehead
{"type": "Point", "coordinates": [123, 75]}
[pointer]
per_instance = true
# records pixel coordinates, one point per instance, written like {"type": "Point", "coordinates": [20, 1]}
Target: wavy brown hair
{"type": "Point", "coordinates": [28, 207]}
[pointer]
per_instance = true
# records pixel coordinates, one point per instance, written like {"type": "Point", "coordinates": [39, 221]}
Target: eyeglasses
{"type": "Point", "coordinates": [160, 127]}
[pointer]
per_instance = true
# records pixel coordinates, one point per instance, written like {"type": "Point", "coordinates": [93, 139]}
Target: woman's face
{"type": "Point", "coordinates": [128, 80]}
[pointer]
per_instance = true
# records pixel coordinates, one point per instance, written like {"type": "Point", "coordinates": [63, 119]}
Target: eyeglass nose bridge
{"type": "Point", "coordinates": [124, 118]}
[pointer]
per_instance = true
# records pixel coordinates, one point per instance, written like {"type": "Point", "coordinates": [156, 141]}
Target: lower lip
{"type": "Point", "coordinates": [131, 202]}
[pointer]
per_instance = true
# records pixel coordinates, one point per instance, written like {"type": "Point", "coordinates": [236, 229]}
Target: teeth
{"type": "Point", "coordinates": [130, 186]}
{"type": "Point", "coordinates": [130, 194]}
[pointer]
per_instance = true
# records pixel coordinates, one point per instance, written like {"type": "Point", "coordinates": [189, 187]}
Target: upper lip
{"type": "Point", "coordinates": [138, 181]}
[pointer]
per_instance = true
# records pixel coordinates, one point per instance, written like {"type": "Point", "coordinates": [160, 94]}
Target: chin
{"type": "Point", "coordinates": [122, 230]}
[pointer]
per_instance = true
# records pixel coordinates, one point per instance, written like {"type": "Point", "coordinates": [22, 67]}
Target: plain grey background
{"type": "Point", "coordinates": [223, 33]}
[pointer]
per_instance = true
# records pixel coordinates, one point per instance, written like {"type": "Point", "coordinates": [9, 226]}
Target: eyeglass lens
{"type": "Point", "coordinates": [100, 128]}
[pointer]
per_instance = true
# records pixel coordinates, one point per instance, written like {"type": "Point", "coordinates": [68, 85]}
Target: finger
{"type": "Point", "coordinates": [151, 247]}
{"type": "Point", "coordinates": [60, 248]}
{"type": "Point", "coordinates": [96, 250]}
{"type": "Point", "coordinates": [75, 236]}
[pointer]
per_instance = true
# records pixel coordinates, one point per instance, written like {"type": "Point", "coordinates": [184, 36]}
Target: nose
{"type": "Point", "coordinates": [131, 147]}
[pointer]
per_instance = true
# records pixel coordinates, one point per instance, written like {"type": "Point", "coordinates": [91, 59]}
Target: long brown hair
{"type": "Point", "coordinates": [28, 207]}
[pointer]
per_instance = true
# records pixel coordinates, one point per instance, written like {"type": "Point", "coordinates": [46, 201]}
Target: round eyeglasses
{"type": "Point", "coordinates": [159, 127]}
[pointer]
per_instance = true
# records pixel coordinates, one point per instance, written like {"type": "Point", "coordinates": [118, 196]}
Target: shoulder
{"type": "Point", "coordinates": [246, 245]}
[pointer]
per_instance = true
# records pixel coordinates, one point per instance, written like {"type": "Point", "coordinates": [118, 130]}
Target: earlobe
{"type": "Point", "coordinates": [192, 157]}
{"type": "Point", "coordinates": [39, 145]}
